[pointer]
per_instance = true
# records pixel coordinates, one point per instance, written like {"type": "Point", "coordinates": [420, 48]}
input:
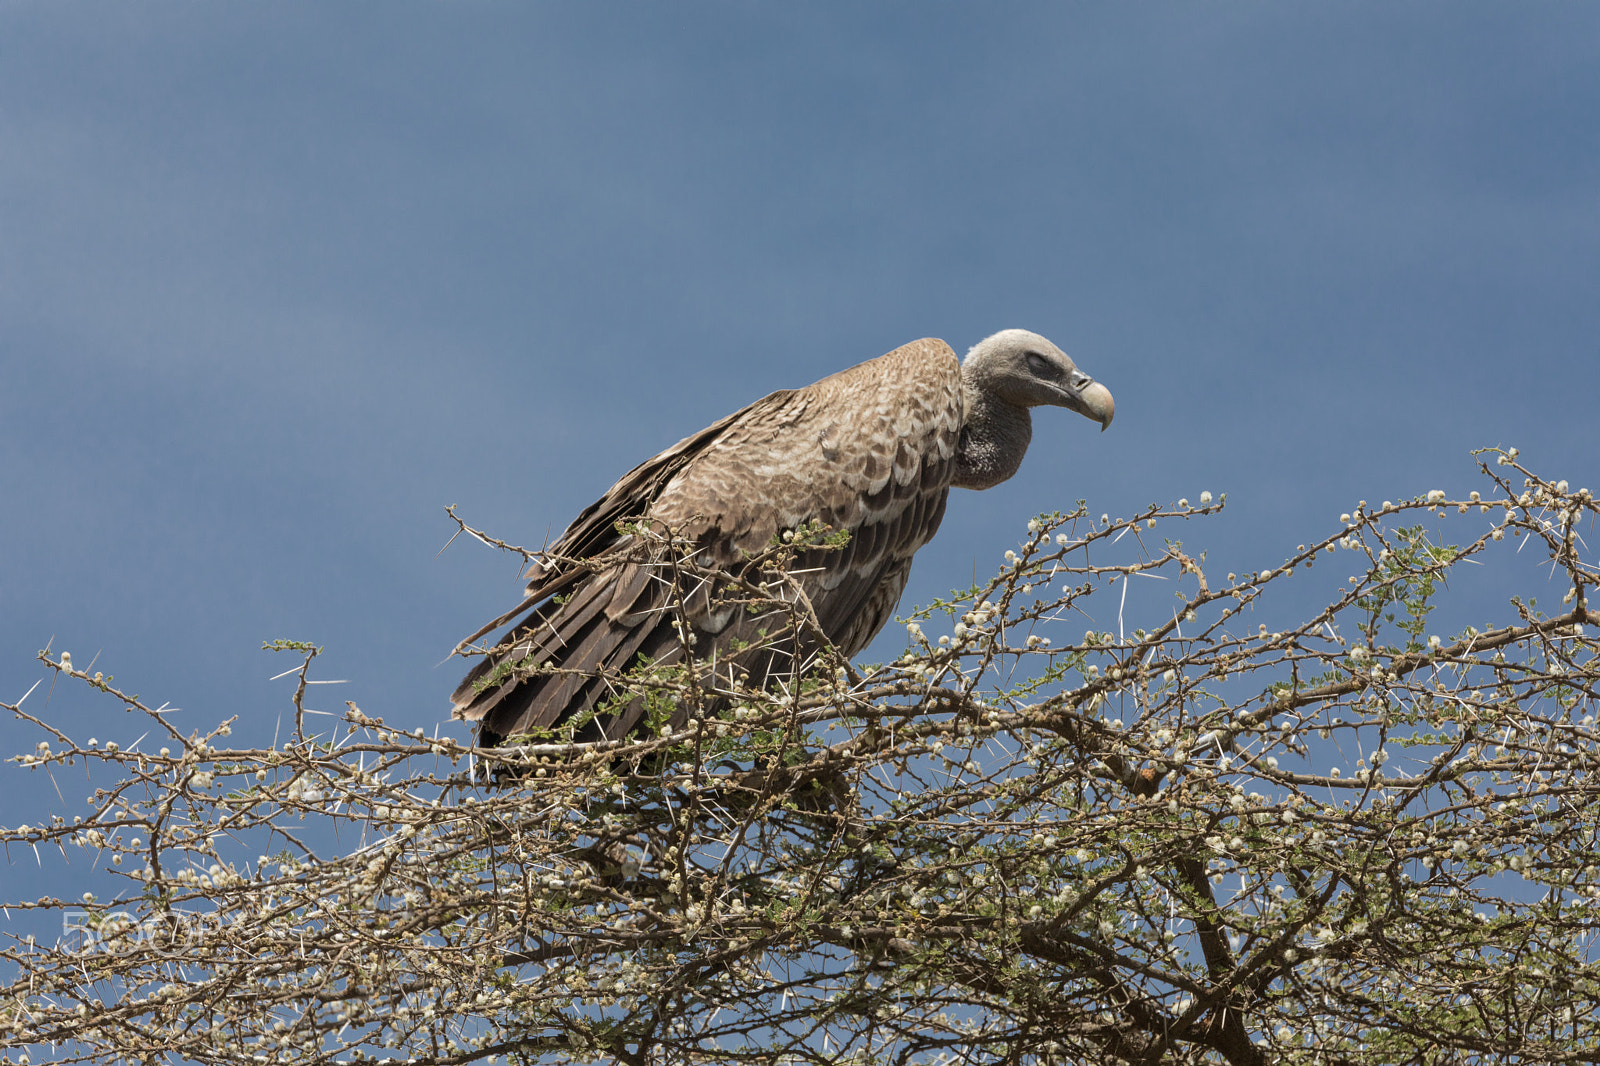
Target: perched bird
{"type": "Point", "coordinates": [871, 451]}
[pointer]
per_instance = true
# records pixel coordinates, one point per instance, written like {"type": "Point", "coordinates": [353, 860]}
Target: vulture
{"type": "Point", "coordinates": [871, 452]}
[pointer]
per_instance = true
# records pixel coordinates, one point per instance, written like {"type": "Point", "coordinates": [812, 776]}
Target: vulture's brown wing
{"type": "Point", "coordinates": [594, 531]}
{"type": "Point", "coordinates": [869, 450]}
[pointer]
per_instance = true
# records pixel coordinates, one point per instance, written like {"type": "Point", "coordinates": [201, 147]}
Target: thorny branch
{"type": "Point", "coordinates": [1352, 840]}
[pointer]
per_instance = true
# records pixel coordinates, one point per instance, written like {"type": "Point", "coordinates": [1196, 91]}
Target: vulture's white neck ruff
{"type": "Point", "coordinates": [994, 438]}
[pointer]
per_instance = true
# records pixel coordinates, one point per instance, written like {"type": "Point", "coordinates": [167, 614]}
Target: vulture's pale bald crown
{"type": "Point", "coordinates": [873, 450]}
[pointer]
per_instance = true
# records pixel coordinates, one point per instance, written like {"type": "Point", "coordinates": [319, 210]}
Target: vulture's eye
{"type": "Point", "coordinates": [1040, 366]}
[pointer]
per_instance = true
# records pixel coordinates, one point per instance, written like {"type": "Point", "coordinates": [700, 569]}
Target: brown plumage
{"type": "Point", "coordinates": [872, 450]}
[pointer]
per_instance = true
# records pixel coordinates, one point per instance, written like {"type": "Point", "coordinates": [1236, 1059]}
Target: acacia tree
{"type": "Point", "coordinates": [1354, 839]}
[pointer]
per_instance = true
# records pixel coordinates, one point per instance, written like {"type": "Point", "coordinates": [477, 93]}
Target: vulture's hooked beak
{"type": "Point", "coordinates": [1092, 400]}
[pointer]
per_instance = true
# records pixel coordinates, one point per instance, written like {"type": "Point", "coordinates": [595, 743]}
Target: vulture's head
{"type": "Point", "coordinates": [1022, 369]}
{"type": "Point", "coordinates": [1002, 378]}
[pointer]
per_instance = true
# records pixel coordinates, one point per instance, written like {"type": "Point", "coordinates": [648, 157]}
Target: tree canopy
{"type": "Point", "coordinates": [1358, 838]}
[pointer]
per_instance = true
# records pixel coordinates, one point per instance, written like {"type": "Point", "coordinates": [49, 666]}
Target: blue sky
{"type": "Point", "coordinates": [278, 282]}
